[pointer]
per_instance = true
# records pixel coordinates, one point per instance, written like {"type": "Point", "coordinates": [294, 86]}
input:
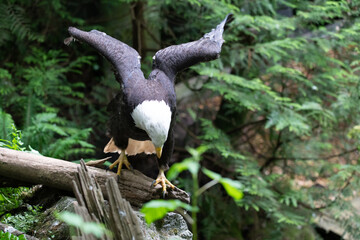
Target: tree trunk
{"type": "Point", "coordinates": [133, 185]}
{"type": "Point", "coordinates": [137, 15]}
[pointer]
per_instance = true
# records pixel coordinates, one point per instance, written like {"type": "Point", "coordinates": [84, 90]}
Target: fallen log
{"type": "Point", "coordinates": [36, 169]}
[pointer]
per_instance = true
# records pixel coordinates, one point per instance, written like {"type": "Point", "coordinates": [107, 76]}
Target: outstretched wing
{"type": "Point", "coordinates": [124, 58]}
{"type": "Point", "coordinates": [175, 58]}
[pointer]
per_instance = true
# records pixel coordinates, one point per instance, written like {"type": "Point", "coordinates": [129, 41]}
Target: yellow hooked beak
{"type": "Point", "coordinates": [158, 151]}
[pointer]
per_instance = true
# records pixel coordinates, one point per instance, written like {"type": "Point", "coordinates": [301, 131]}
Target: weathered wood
{"type": "Point", "coordinates": [84, 213]}
{"type": "Point", "coordinates": [123, 217]}
{"type": "Point", "coordinates": [133, 185]}
{"type": "Point", "coordinates": [118, 216]}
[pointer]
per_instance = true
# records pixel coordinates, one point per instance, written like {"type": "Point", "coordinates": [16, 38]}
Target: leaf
{"type": "Point", "coordinates": [177, 168]}
{"type": "Point", "coordinates": [311, 106]}
{"type": "Point", "coordinates": [70, 218]}
{"type": "Point", "coordinates": [75, 220]}
{"type": "Point", "coordinates": [22, 237]}
{"type": "Point", "coordinates": [95, 228]}
{"type": "Point", "coordinates": [157, 209]}
{"type": "Point", "coordinates": [6, 122]}
{"type": "Point", "coordinates": [191, 164]}
{"type": "Point", "coordinates": [232, 187]}
{"type": "Point", "coordinates": [288, 118]}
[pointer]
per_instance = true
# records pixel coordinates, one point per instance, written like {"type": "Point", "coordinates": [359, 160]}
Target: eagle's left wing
{"type": "Point", "coordinates": [124, 58]}
{"type": "Point", "coordinates": [175, 58]}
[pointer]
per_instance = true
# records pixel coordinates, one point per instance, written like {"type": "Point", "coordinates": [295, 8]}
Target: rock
{"type": "Point", "coordinates": [172, 226]}
{"type": "Point", "coordinates": [51, 228]}
{"type": "Point", "coordinates": [329, 221]}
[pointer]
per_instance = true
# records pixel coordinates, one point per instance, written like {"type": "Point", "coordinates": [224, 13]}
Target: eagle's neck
{"type": "Point", "coordinates": [154, 117]}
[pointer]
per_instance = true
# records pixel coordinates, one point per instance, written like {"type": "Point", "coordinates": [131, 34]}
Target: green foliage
{"type": "Point", "coordinates": [284, 136]}
{"type": "Point", "coordinates": [64, 141]}
{"type": "Point", "coordinates": [233, 188]}
{"type": "Point", "coordinates": [11, 198]}
{"type": "Point", "coordinates": [15, 134]}
{"type": "Point", "coordinates": [191, 164]}
{"type": "Point", "coordinates": [24, 221]}
{"type": "Point", "coordinates": [13, 21]}
{"type": "Point", "coordinates": [9, 236]}
{"type": "Point", "coordinates": [157, 209]}
{"type": "Point", "coordinates": [288, 82]}
{"type": "Point", "coordinates": [37, 86]}
{"type": "Point", "coordinates": [7, 125]}
{"type": "Point", "coordinates": [72, 219]}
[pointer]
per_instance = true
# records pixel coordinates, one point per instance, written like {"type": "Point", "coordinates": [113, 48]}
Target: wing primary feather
{"type": "Point", "coordinates": [124, 58]}
{"type": "Point", "coordinates": [175, 58]}
{"type": "Point", "coordinates": [216, 34]}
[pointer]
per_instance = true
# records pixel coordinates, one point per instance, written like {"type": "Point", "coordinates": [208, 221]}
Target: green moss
{"type": "Point", "coordinates": [24, 221]}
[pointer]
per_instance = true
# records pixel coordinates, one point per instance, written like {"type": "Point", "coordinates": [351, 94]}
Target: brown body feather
{"type": "Point", "coordinates": [134, 147]}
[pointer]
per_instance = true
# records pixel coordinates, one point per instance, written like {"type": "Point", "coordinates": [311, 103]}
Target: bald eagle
{"type": "Point", "coordinates": [145, 109]}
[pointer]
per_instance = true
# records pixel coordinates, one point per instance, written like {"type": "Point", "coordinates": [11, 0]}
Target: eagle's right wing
{"type": "Point", "coordinates": [175, 58]}
{"type": "Point", "coordinates": [124, 58]}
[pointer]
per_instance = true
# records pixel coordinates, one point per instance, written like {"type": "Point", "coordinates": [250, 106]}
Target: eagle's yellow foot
{"type": "Point", "coordinates": [163, 181]}
{"type": "Point", "coordinates": [120, 161]}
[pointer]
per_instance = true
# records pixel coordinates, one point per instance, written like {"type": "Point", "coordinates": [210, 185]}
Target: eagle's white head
{"type": "Point", "coordinates": [154, 117]}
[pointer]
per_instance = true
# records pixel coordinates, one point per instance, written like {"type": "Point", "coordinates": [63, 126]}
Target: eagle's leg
{"type": "Point", "coordinates": [162, 180]}
{"type": "Point", "coordinates": [163, 159]}
{"type": "Point", "coordinates": [120, 161]}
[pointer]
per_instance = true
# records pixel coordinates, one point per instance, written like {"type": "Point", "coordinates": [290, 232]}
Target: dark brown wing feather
{"type": "Point", "coordinates": [178, 57]}
{"type": "Point", "coordinates": [124, 58]}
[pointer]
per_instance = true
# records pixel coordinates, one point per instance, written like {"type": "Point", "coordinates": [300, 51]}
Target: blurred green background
{"type": "Point", "coordinates": [278, 112]}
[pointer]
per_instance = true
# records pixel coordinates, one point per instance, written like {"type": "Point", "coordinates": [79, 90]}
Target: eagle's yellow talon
{"type": "Point", "coordinates": [120, 161]}
{"type": "Point", "coordinates": [169, 183]}
{"type": "Point", "coordinates": [161, 179]}
{"type": "Point", "coordinates": [114, 164]}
